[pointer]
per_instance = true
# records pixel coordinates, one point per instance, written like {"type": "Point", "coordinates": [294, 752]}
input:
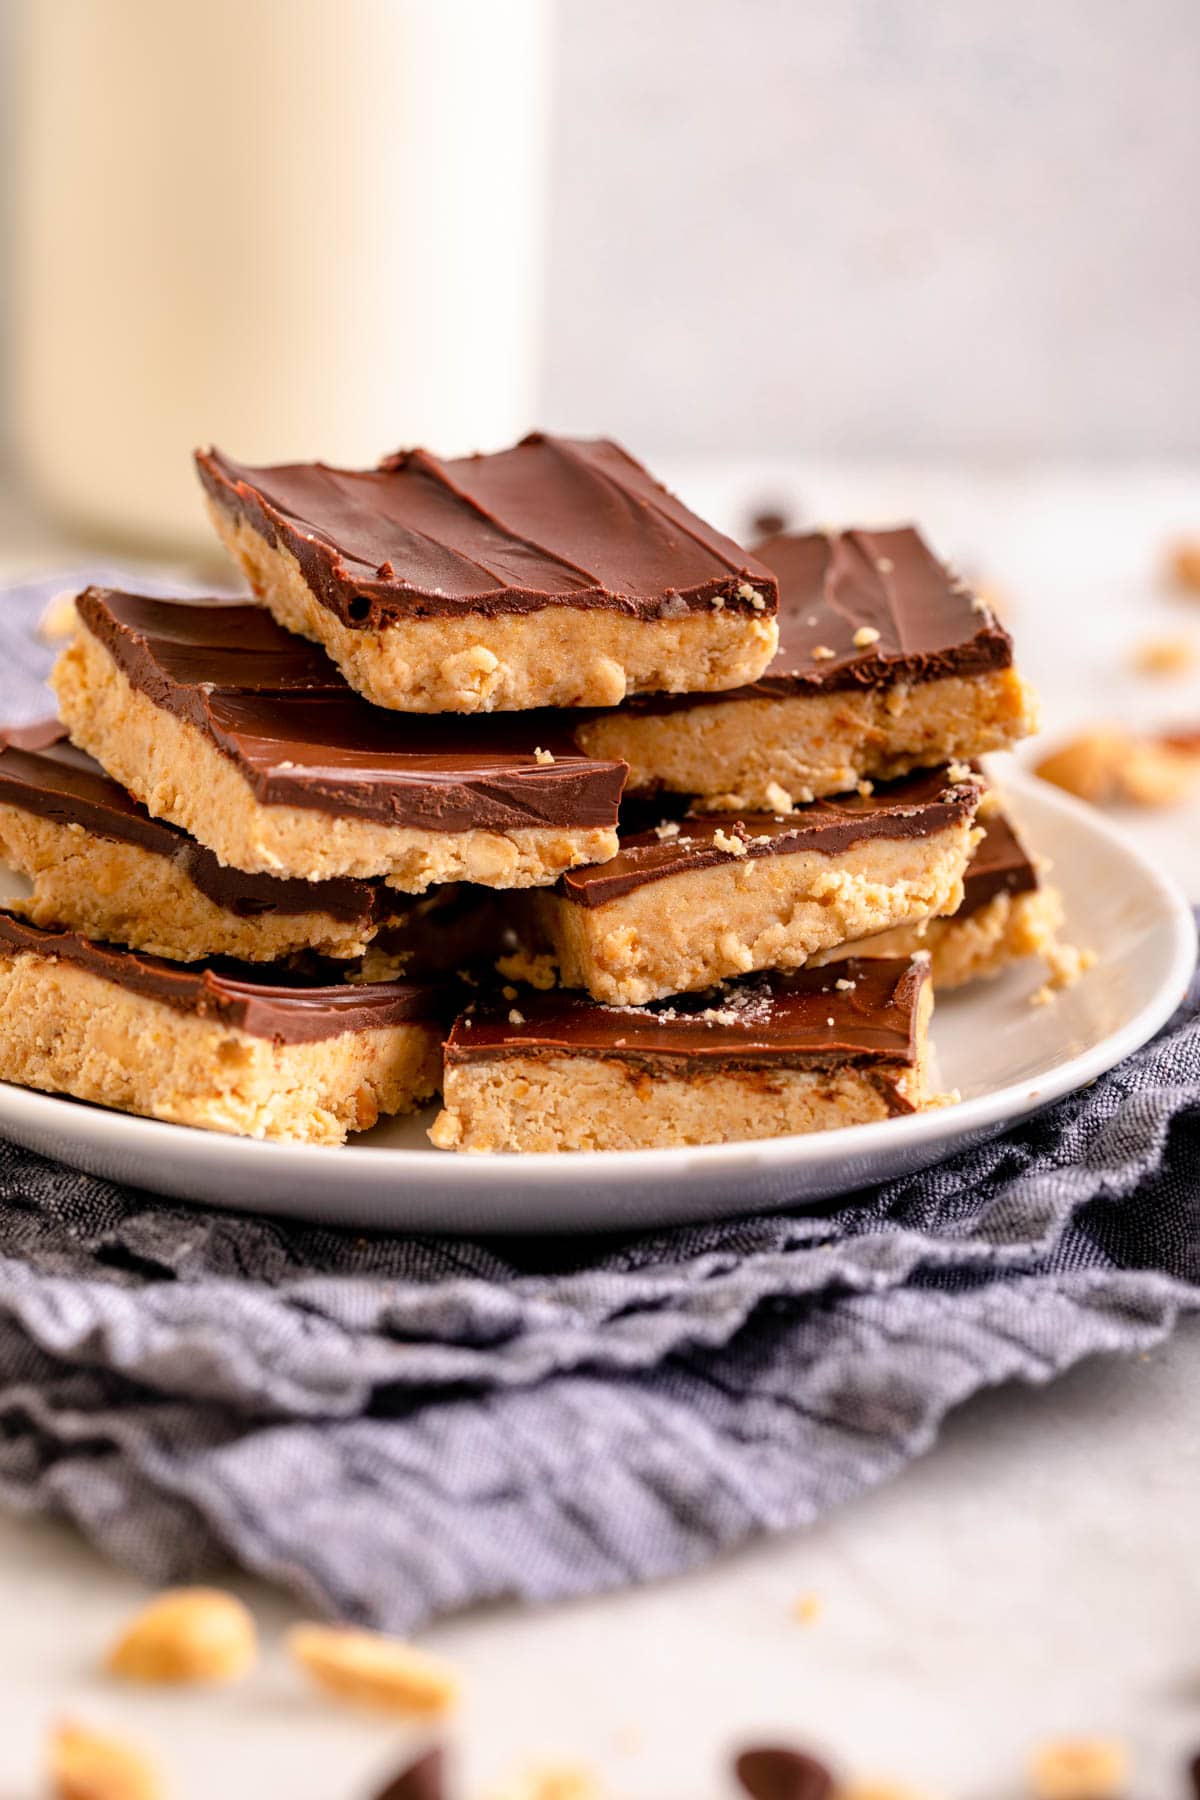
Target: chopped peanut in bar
{"type": "Point", "coordinates": [1111, 767]}
{"type": "Point", "coordinates": [1164, 656]}
{"type": "Point", "coordinates": [1183, 564]}
{"type": "Point", "coordinates": [1080, 1769]}
{"type": "Point", "coordinates": [778, 798]}
{"type": "Point", "coordinates": [546, 757]}
{"type": "Point", "coordinates": [187, 1635]}
{"type": "Point", "coordinates": [92, 1765]}
{"type": "Point", "coordinates": [374, 1670]}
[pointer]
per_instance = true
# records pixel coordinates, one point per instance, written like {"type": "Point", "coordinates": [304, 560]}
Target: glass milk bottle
{"type": "Point", "coordinates": [295, 228]}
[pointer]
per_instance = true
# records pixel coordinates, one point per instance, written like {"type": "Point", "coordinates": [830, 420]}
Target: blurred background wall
{"type": "Point", "coordinates": [959, 227]}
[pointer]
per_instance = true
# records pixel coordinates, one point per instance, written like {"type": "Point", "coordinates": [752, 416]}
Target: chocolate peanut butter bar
{"type": "Point", "coordinates": [557, 573]}
{"type": "Point", "coordinates": [224, 1047]}
{"type": "Point", "coordinates": [101, 865]}
{"type": "Point", "coordinates": [764, 1057]}
{"type": "Point", "coordinates": [887, 662]}
{"type": "Point", "coordinates": [693, 901]}
{"type": "Point", "coordinates": [218, 720]}
{"type": "Point", "coordinates": [1007, 913]}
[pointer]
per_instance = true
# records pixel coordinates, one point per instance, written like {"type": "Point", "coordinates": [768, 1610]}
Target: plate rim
{"type": "Point", "coordinates": [467, 1174]}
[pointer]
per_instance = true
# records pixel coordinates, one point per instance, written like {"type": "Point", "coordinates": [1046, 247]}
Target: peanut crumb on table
{"type": "Point", "coordinates": [1080, 1769]}
{"type": "Point", "coordinates": [1183, 564]}
{"type": "Point", "coordinates": [1164, 656]}
{"type": "Point", "coordinates": [1110, 766]}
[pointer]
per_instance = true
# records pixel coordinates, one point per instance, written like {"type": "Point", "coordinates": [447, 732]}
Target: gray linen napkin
{"type": "Point", "coordinates": [395, 1426]}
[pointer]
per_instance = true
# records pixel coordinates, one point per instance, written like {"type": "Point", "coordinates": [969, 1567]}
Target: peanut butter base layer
{"type": "Point", "coordinates": [68, 1031]}
{"type": "Point", "coordinates": [744, 754]}
{"type": "Point", "coordinates": [558, 656]}
{"type": "Point", "coordinates": [563, 1104]}
{"type": "Point", "coordinates": [687, 931]}
{"type": "Point", "coordinates": [179, 775]}
{"type": "Point", "coordinates": [1008, 929]}
{"type": "Point", "coordinates": [124, 894]}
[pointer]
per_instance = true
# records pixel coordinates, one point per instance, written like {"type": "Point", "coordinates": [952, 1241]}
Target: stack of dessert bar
{"type": "Point", "coordinates": [521, 782]}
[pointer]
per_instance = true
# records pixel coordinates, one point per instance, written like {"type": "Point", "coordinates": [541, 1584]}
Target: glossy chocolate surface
{"type": "Point", "coordinates": [287, 1009]}
{"type": "Point", "coordinates": [1001, 865]}
{"type": "Point", "coordinates": [551, 522]}
{"type": "Point", "coordinates": [831, 584]}
{"type": "Point", "coordinates": [43, 773]}
{"type": "Point", "coordinates": [917, 806]}
{"type": "Point", "coordinates": [800, 1019]}
{"type": "Point", "coordinates": [278, 709]}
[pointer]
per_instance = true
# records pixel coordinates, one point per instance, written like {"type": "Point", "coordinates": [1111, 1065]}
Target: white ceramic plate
{"type": "Point", "coordinates": [1006, 1058]}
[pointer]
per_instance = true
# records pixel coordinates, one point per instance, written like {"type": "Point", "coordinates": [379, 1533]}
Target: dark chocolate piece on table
{"type": "Point", "coordinates": [776, 1772]}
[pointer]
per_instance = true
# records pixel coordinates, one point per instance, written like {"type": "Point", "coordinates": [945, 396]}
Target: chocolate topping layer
{"type": "Point", "coordinates": [917, 806]}
{"type": "Point", "coordinates": [831, 585]}
{"type": "Point", "coordinates": [287, 1010]}
{"type": "Point", "coordinates": [1001, 865]}
{"type": "Point", "coordinates": [277, 708]}
{"type": "Point", "coordinates": [802, 1019]}
{"type": "Point", "coordinates": [42, 772]}
{"type": "Point", "coordinates": [551, 522]}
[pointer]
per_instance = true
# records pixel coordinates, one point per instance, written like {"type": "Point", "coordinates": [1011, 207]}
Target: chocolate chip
{"type": "Point", "coordinates": [772, 1772]}
{"type": "Point", "coordinates": [769, 521]}
{"type": "Point", "coordinates": [421, 1780]}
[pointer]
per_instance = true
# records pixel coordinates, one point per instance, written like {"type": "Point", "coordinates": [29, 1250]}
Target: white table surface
{"type": "Point", "coordinates": [1036, 1573]}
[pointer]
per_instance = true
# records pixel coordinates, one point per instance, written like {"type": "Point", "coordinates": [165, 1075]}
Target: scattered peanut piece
{"type": "Point", "coordinates": [1183, 564]}
{"type": "Point", "coordinates": [374, 1670]}
{"type": "Point", "coordinates": [1065, 964]}
{"type": "Point", "coordinates": [778, 798]}
{"type": "Point", "coordinates": [1110, 766]}
{"type": "Point", "coordinates": [881, 1790]}
{"type": "Point", "coordinates": [540, 971]}
{"type": "Point", "coordinates": [1080, 1769]}
{"type": "Point", "coordinates": [1164, 656]}
{"type": "Point", "coordinates": [187, 1634]}
{"type": "Point", "coordinates": [550, 1781]}
{"type": "Point", "coordinates": [807, 1609]}
{"type": "Point", "coordinates": [731, 845]}
{"type": "Point", "coordinates": [58, 619]}
{"type": "Point", "coordinates": [91, 1765]}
